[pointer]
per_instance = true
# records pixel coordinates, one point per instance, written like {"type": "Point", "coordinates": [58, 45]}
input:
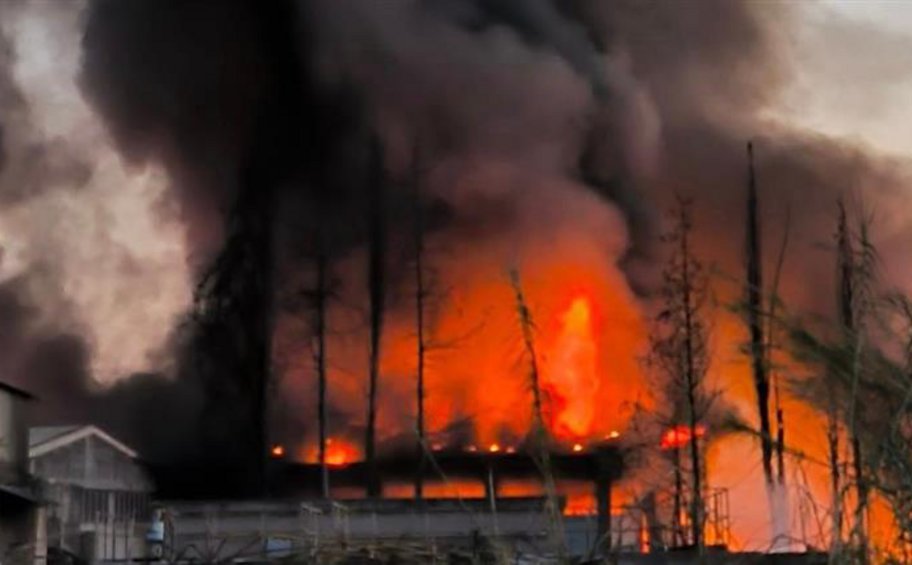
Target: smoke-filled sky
{"type": "Point", "coordinates": [852, 72]}
{"type": "Point", "coordinates": [107, 231]}
{"type": "Point", "coordinates": [552, 137]}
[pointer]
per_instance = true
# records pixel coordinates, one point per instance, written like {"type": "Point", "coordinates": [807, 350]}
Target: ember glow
{"type": "Point", "coordinates": [339, 453]}
{"type": "Point", "coordinates": [679, 436]}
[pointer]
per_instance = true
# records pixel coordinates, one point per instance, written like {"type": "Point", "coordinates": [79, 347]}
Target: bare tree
{"type": "Point", "coordinates": [758, 316]}
{"type": "Point", "coordinates": [321, 296]}
{"type": "Point", "coordinates": [855, 373]}
{"type": "Point", "coordinates": [755, 307]}
{"type": "Point", "coordinates": [679, 349]}
{"type": "Point", "coordinates": [429, 296]}
{"type": "Point", "coordinates": [318, 297]}
{"type": "Point", "coordinates": [376, 281]}
{"type": "Point", "coordinates": [856, 260]}
{"type": "Point", "coordinates": [771, 346]}
{"type": "Point", "coordinates": [421, 293]}
{"type": "Point", "coordinates": [539, 431]}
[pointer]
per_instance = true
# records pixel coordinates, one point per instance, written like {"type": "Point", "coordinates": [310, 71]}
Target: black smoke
{"type": "Point", "coordinates": [262, 112]}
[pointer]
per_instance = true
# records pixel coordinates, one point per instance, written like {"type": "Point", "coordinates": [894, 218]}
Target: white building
{"type": "Point", "coordinates": [96, 489]}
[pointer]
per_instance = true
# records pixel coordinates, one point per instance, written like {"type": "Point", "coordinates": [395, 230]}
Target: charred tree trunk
{"type": "Point", "coordinates": [377, 294]}
{"type": "Point", "coordinates": [773, 375]}
{"type": "Point", "coordinates": [754, 320]}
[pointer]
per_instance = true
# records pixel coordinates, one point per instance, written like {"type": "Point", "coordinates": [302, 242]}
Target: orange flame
{"type": "Point", "coordinates": [570, 379]}
{"type": "Point", "coordinates": [339, 453]}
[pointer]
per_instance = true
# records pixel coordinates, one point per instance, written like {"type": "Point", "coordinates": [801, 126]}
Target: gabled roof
{"type": "Point", "coordinates": [18, 392]}
{"type": "Point", "coordinates": [43, 440]}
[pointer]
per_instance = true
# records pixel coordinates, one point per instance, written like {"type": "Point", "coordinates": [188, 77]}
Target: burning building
{"type": "Point", "coordinates": [301, 237]}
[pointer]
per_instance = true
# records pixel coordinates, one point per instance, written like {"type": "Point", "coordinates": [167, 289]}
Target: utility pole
{"type": "Point", "coordinates": [420, 298]}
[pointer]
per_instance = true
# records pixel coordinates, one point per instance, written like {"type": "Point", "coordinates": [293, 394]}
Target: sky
{"type": "Point", "coordinates": [853, 72]}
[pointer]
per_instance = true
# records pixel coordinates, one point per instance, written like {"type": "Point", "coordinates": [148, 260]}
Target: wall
{"type": "Point", "coordinates": [17, 530]}
{"type": "Point", "coordinates": [13, 439]}
{"type": "Point", "coordinates": [218, 530]}
{"type": "Point", "coordinates": [99, 499]}
{"type": "Point", "coordinates": [92, 464]}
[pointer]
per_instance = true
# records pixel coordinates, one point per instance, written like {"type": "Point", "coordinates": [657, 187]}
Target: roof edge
{"type": "Point", "coordinates": [79, 433]}
{"type": "Point", "coordinates": [16, 391]}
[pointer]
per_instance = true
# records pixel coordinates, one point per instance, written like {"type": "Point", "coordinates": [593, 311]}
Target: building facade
{"type": "Point", "coordinates": [96, 489]}
{"type": "Point", "coordinates": [21, 516]}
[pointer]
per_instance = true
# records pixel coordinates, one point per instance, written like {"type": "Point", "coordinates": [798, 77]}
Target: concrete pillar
{"type": "Point", "coordinates": [491, 481]}
{"type": "Point", "coordinates": [41, 541]}
{"type": "Point", "coordinates": [607, 465]}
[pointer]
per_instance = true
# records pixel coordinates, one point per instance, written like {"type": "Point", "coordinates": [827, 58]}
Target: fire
{"type": "Point", "coordinates": [577, 447]}
{"type": "Point", "coordinates": [571, 379]}
{"type": "Point", "coordinates": [590, 336]}
{"type": "Point", "coordinates": [340, 453]}
{"type": "Point", "coordinates": [495, 448]}
{"type": "Point", "coordinates": [679, 436]}
{"type": "Point", "coordinates": [277, 451]}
